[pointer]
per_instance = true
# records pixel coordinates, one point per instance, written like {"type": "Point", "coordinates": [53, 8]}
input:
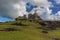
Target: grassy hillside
{"type": "Point", "coordinates": [25, 30]}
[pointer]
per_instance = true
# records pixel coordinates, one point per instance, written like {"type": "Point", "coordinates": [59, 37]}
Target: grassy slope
{"type": "Point", "coordinates": [29, 32]}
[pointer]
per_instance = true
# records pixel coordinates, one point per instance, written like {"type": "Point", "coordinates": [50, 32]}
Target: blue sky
{"type": "Point", "coordinates": [29, 7]}
{"type": "Point", "coordinates": [4, 19]}
{"type": "Point", "coordinates": [56, 7]}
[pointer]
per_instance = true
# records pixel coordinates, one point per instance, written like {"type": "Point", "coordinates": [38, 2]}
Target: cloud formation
{"type": "Point", "coordinates": [57, 1]}
{"type": "Point", "coordinates": [46, 13]}
{"type": "Point", "coordinates": [12, 8]}
{"type": "Point", "coordinates": [15, 8]}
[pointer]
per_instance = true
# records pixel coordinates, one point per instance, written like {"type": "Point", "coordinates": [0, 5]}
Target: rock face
{"type": "Point", "coordinates": [34, 17]}
{"type": "Point", "coordinates": [31, 17]}
{"type": "Point", "coordinates": [21, 18]}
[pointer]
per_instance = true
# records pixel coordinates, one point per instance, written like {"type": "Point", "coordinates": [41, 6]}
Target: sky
{"type": "Point", "coordinates": [56, 5]}
{"type": "Point", "coordinates": [5, 19]}
{"type": "Point", "coordinates": [46, 9]}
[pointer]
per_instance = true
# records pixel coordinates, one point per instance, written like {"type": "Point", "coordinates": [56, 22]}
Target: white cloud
{"type": "Point", "coordinates": [57, 1]}
{"type": "Point", "coordinates": [40, 2]}
{"type": "Point", "coordinates": [53, 17]}
{"type": "Point", "coordinates": [58, 13]}
{"type": "Point", "coordinates": [45, 12]}
{"type": "Point", "coordinates": [15, 8]}
{"type": "Point", "coordinates": [39, 10]}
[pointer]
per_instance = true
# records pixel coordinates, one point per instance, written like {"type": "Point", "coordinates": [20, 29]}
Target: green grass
{"type": "Point", "coordinates": [29, 32]}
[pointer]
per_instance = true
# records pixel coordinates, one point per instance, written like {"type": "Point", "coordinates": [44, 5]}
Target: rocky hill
{"type": "Point", "coordinates": [31, 28]}
{"type": "Point", "coordinates": [23, 29]}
